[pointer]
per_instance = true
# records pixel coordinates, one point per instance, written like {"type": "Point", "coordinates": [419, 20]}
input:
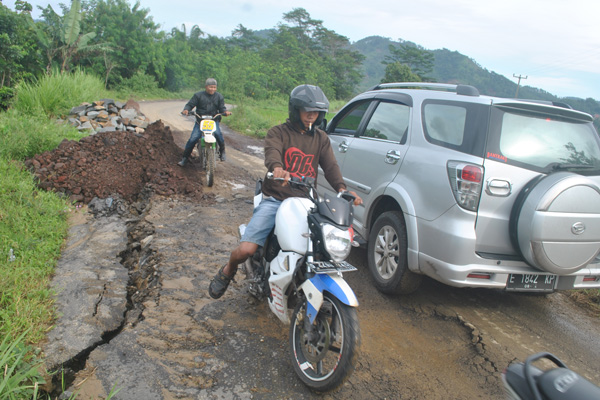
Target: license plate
{"type": "Point", "coordinates": [531, 282]}
{"type": "Point", "coordinates": [328, 267]}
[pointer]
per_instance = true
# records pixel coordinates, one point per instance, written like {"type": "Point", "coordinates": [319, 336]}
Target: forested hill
{"type": "Point", "coordinates": [454, 67]}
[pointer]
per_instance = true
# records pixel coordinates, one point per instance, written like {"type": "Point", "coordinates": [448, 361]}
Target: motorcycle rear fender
{"type": "Point", "coordinates": [314, 287]}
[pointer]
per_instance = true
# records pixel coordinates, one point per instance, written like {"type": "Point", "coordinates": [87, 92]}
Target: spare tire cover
{"type": "Point", "coordinates": [557, 223]}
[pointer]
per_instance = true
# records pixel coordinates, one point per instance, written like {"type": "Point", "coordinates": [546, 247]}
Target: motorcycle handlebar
{"type": "Point", "coordinates": [310, 183]}
{"type": "Point", "coordinates": [213, 117]}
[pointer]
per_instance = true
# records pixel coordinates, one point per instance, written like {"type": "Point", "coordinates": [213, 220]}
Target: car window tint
{"type": "Point", "coordinates": [389, 122]}
{"type": "Point", "coordinates": [349, 123]}
{"type": "Point", "coordinates": [445, 123]}
{"type": "Point", "coordinates": [456, 125]}
{"type": "Point", "coordinates": [544, 141]}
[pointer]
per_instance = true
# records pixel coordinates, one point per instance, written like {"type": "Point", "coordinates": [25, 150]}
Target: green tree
{"type": "Point", "coordinates": [131, 31]}
{"type": "Point", "coordinates": [181, 60]}
{"type": "Point", "coordinates": [61, 37]}
{"type": "Point", "coordinates": [246, 39]}
{"type": "Point", "coordinates": [398, 72]}
{"type": "Point", "coordinates": [306, 52]}
{"type": "Point", "coordinates": [11, 46]}
{"type": "Point", "coordinates": [342, 62]}
{"type": "Point", "coordinates": [419, 60]}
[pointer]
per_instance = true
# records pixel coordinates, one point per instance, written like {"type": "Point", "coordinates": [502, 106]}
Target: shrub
{"type": "Point", "coordinates": [54, 95]}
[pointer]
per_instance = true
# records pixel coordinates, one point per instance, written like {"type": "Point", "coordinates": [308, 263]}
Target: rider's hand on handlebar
{"type": "Point", "coordinates": [280, 173]}
{"type": "Point", "coordinates": [357, 200]}
{"type": "Point", "coordinates": [227, 113]}
{"type": "Point", "coordinates": [185, 112]}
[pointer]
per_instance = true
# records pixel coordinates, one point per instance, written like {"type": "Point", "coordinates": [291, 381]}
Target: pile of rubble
{"type": "Point", "coordinates": [122, 163]}
{"type": "Point", "coordinates": [108, 115]}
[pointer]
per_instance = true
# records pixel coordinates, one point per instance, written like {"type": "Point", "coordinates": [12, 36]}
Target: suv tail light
{"type": "Point", "coordinates": [465, 180]}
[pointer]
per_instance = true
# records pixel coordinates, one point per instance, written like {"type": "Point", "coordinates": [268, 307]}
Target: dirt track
{"type": "Point", "coordinates": [438, 343]}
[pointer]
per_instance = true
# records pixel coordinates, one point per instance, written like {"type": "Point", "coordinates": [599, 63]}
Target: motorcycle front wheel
{"type": "Point", "coordinates": [210, 165]}
{"type": "Point", "coordinates": [201, 155]}
{"type": "Point", "coordinates": [325, 359]}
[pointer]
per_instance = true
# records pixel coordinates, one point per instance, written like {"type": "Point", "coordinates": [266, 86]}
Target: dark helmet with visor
{"type": "Point", "coordinates": [307, 98]}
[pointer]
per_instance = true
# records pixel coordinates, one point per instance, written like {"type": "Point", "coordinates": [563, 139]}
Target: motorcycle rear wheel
{"type": "Point", "coordinates": [325, 363]}
{"type": "Point", "coordinates": [210, 165]}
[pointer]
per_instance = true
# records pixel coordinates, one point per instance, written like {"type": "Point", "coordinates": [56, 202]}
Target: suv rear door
{"type": "Point", "coordinates": [527, 142]}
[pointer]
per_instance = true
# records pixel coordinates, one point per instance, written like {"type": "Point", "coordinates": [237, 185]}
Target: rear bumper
{"type": "Point", "coordinates": [447, 253]}
{"type": "Point", "coordinates": [487, 275]}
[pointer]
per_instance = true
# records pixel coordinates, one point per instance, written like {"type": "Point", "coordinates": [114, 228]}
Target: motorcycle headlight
{"type": "Point", "coordinates": [338, 243]}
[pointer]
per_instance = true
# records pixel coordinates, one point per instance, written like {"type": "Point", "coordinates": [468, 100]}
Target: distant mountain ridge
{"type": "Point", "coordinates": [454, 67]}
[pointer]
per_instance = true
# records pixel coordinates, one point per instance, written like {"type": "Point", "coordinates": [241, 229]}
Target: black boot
{"type": "Point", "coordinates": [222, 153]}
{"type": "Point", "coordinates": [185, 157]}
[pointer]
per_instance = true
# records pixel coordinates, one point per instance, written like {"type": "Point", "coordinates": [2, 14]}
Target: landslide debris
{"type": "Point", "coordinates": [117, 162]}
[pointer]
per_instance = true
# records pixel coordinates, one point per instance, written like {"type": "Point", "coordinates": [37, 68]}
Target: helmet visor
{"type": "Point", "coordinates": [319, 108]}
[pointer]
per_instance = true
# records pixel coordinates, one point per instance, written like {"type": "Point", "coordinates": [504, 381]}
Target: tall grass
{"type": "Point", "coordinates": [33, 225]}
{"type": "Point", "coordinates": [19, 370]}
{"type": "Point", "coordinates": [23, 136]}
{"type": "Point", "coordinates": [54, 95]}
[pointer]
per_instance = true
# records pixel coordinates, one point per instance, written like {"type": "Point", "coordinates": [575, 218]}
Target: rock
{"type": "Point", "coordinates": [128, 113]}
{"type": "Point", "coordinates": [139, 122]}
{"type": "Point", "coordinates": [106, 114]}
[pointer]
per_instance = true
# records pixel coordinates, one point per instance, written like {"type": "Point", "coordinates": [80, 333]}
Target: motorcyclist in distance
{"type": "Point", "coordinates": [207, 102]}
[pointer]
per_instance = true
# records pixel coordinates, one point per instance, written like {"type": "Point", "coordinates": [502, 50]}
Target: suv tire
{"type": "Point", "coordinates": [387, 255]}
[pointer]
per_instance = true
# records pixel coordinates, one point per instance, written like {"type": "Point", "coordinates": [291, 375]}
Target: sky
{"type": "Point", "coordinates": [553, 45]}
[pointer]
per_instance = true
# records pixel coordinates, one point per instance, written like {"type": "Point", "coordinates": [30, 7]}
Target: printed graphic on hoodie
{"type": "Point", "coordinates": [299, 164]}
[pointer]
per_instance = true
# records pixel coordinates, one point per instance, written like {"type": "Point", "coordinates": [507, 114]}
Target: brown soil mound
{"type": "Point", "coordinates": [122, 163]}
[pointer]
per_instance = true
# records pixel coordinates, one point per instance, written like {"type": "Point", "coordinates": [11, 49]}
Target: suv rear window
{"type": "Point", "coordinates": [543, 142]}
{"type": "Point", "coordinates": [456, 125]}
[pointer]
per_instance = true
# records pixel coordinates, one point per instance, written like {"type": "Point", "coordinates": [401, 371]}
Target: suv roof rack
{"type": "Point", "coordinates": [465, 90]}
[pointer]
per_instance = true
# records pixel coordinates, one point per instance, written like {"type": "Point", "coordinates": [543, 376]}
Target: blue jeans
{"type": "Point", "coordinates": [196, 135]}
{"type": "Point", "coordinates": [262, 221]}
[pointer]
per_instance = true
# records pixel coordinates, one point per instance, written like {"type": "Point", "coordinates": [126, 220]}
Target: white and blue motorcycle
{"type": "Point", "coordinates": [299, 272]}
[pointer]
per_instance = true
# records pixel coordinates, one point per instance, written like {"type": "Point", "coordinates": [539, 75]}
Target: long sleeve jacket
{"type": "Point", "coordinates": [300, 154]}
{"type": "Point", "coordinates": [206, 104]}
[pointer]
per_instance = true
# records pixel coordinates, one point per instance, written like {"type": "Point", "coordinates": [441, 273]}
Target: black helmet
{"type": "Point", "coordinates": [307, 98]}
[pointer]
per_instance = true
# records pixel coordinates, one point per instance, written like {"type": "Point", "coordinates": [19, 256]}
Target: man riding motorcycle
{"type": "Point", "coordinates": [295, 148]}
{"type": "Point", "coordinates": [207, 102]}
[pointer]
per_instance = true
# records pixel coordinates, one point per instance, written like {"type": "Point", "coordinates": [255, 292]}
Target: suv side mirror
{"type": "Point", "coordinates": [323, 124]}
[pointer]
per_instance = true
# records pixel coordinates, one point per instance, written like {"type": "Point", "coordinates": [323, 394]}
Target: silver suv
{"type": "Point", "coordinates": [471, 190]}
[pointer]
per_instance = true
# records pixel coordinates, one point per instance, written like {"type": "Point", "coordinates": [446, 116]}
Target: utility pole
{"type": "Point", "coordinates": [519, 83]}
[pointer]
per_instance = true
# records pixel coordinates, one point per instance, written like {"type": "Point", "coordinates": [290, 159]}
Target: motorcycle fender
{"type": "Point", "coordinates": [209, 138]}
{"type": "Point", "coordinates": [282, 272]}
{"type": "Point", "coordinates": [314, 287]}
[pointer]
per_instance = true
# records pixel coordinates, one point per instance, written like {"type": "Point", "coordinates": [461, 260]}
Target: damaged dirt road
{"type": "Point", "coordinates": [136, 315]}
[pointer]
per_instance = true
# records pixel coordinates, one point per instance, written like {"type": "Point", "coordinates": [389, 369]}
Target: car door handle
{"type": "Point", "coordinates": [343, 147]}
{"type": "Point", "coordinates": [498, 187]}
{"type": "Point", "coordinates": [392, 157]}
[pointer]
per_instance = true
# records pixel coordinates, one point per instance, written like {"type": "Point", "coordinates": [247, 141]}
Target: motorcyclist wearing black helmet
{"type": "Point", "coordinates": [295, 148]}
